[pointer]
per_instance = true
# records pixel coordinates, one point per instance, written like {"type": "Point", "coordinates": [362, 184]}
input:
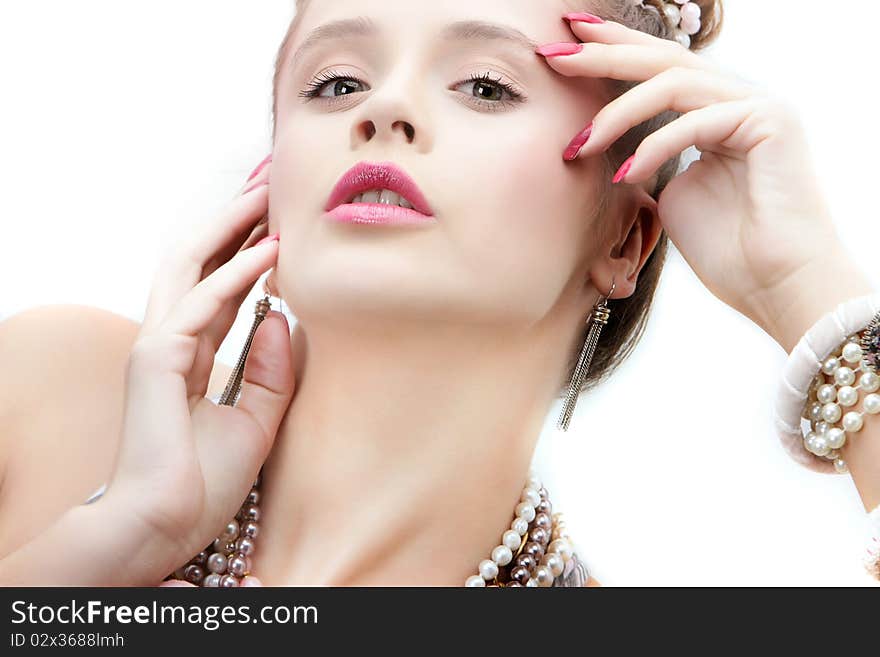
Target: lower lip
{"type": "Point", "coordinates": [378, 213]}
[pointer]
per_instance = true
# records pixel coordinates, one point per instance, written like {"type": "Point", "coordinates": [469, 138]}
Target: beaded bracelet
{"type": "Point", "coordinates": [806, 360]}
{"type": "Point", "coordinates": [827, 400]}
{"type": "Point", "coordinates": [855, 322]}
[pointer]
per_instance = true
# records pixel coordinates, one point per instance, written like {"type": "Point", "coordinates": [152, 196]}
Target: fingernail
{"type": "Point", "coordinates": [583, 16]}
{"type": "Point", "coordinates": [259, 168]}
{"type": "Point", "coordinates": [255, 185]}
{"type": "Point", "coordinates": [266, 240]}
{"type": "Point", "coordinates": [559, 48]}
{"type": "Point", "coordinates": [624, 169]}
{"type": "Point", "coordinates": [575, 146]}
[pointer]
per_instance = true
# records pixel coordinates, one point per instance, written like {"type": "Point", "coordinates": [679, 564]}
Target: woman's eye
{"type": "Point", "coordinates": [343, 86]}
{"type": "Point", "coordinates": [491, 93]}
{"type": "Point", "coordinates": [482, 89]}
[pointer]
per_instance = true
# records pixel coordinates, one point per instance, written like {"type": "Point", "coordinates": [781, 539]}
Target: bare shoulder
{"type": "Point", "coordinates": [61, 403]}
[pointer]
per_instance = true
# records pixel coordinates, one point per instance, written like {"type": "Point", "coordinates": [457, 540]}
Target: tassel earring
{"type": "Point", "coordinates": [233, 385]}
{"type": "Point", "coordinates": [597, 319]}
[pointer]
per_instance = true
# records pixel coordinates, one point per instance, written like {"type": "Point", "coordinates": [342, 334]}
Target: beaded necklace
{"type": "Point", "coordinates": [535, 551]}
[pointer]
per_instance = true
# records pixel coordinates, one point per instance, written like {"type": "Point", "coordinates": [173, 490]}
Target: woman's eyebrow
{"type": "Point", "coordinates": [487, 31]}
{"type": "Point", "coordinates": [470, 30]}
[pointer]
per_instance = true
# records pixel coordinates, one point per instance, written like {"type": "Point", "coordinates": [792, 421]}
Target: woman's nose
{"type": "Point", "coordinates": [396, 110]}
{"type": "Point", "coordinates": [398, 130]}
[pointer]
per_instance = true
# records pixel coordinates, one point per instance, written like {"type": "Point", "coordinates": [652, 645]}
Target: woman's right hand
{"type": "Point", "coordinates": [184, 464]}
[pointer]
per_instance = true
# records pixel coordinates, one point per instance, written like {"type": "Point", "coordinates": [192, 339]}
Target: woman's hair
{"type": "Point", "coordinates": [628, 315]}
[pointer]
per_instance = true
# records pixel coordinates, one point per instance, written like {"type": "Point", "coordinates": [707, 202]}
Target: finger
{"type": "Point", "coordinates": [677, 89]}
{"type": "Point", "coordinates": [268, 380]}
{"type": "Point", "coordinates": [232, 446]}
{"type": "Point", "coordinates": [192, 314]}
{"type": "Point", "coordinates": [259, 177]}
{"type": "Point", "coordinates": [256, 172]}
{"type": "Point", "coordinates": [209, 342]}
{"type": "Point", "coordinates": [250, 580]}
{"type": "Point", "coordinates": [243, 240]}
{"type": "Point", "coordinates": [609, 31]}
{"type": "Point", "coordinates": [257, 233]}
{"type": "Point", "coordinates": [624, 61]}
{"type": "Point", "coordinates": [219, 328]}
{"type": "Point", "coordinates": [238, 240]}
{"type": "Point", "coordinates": [184, 267]}
{"type": "Point", "coordinates": [708, 128]}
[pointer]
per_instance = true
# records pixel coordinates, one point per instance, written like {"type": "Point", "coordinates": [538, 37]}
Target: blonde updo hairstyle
{"type": "Point", "coordinates": [628, 315]}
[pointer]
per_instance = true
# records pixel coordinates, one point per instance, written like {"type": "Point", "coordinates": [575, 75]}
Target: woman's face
{"type": "Point", "coordinates": [514, 221]}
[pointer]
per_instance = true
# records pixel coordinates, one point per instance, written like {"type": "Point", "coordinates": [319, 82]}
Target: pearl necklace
{"type": "Point", "coordinates": [536, 550]}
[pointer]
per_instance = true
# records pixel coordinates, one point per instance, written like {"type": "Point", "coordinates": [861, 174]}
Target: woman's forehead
{"type": "Point", "coordinates": [537, 20]}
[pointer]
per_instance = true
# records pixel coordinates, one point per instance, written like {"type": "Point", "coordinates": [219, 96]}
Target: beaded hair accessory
{"type": "Point", "coordinates": [683, 16]}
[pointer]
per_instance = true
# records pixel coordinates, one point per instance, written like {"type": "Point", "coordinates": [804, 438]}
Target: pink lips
{"type": "Point", "coordinates": [365, 176]}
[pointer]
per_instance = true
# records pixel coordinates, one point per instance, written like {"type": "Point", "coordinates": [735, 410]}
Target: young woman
{"type": "Point", "coordinates": [392, 432]}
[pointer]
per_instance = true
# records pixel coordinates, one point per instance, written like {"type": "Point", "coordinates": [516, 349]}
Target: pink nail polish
{"type": "Point", "coordinates": [624, 169]}
{"type": "Point", "coordinates": [583, 16]}
{"type": "Point", "coordinates": [559, 48]}
{"type": "Point", "coordinates": [575, 146]}
{"type": "Point", "coordinates": [254, 186]}
{"type": "Point", "coordinates": [271, 238]}
{"type": "Point", "coordinates": [259, 168]}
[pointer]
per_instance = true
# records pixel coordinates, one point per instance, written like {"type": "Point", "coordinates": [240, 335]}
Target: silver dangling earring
{"type": "Point", "coordinates": [233, 385]}
{"type": "Point", "coordinates": [597, 319]}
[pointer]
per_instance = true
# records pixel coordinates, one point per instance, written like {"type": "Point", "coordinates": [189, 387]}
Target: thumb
{"type": "Point", "coordinates": [268, 381]}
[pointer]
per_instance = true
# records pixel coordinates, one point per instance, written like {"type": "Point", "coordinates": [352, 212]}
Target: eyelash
{"type": "Point", "coordinates": [315, 86]}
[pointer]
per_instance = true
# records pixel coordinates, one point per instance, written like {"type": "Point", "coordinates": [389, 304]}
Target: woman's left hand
{"type": "Point", "coordinates": [748, 216]}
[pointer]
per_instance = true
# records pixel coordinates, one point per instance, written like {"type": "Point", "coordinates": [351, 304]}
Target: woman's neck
{"type": "Point", "coordinates": [402, 455]}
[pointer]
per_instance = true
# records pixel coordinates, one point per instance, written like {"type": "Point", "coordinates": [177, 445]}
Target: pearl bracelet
{"type": "Point", "coordinates": [802, 365]}
{"type": "Point", "coordinates": [827, 401]}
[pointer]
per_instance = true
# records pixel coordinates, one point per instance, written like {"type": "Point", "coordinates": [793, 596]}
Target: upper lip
{"type": "Point", "coordinates": [365, 176]}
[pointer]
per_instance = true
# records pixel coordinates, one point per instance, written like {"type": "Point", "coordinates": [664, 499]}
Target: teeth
{"type": "Point", "coordinates": [384, 196]}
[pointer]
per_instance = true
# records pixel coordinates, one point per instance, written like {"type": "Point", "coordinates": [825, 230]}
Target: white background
{"type": "Point", "coordinates": [122, 121]}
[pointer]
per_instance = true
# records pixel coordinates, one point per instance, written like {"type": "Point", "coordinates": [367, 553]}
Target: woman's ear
{"type": "Point", "coordinates": [623, 259]}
